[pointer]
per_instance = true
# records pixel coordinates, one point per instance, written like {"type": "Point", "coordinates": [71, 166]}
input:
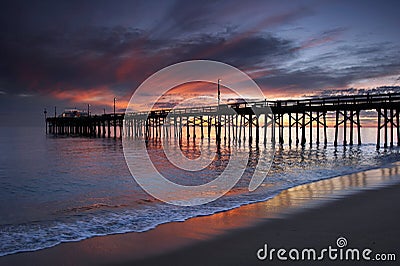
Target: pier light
{"type": "Point", "coordinates": [115, 98]}
{"type": "Point", "coordinates": [219, 92]}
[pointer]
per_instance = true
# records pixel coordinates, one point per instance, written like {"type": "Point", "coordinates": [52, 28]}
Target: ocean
{"type": "Point", "coordinates": [58, 189]}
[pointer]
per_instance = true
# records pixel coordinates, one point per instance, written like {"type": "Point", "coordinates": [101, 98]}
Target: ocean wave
{"type": "Point", "coordinates": [98, 219]}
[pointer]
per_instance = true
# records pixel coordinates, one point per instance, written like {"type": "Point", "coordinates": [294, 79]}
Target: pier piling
{"type": "Point", "coordinates": [235, 119]}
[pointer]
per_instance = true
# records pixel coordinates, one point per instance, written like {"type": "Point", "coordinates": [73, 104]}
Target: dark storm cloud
{"type": "Point", "coordinates": [353, 91]}
{"type": "Point", "coordinates": [330, 70]}
{"type": "Point", "coordinates": [309, 79]}
{"type": "Point", "coordinates": [191, 15]}
{"type": "Point", "coordinates": [91, 56]}
{"type": "Point", "coordinates": [324, 37]}
{"type": "Point", "coordinates": [80, 58]}
{"type": "Point", "coordinates": [247, 52]}
{"type": "Point", "coordinates": [47, 46]}
{"type": "Point", "coordinates": [105, 48]}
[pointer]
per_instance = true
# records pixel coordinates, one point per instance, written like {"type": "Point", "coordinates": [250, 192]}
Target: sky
{"type": "Point", "coordinates": [74, 53]}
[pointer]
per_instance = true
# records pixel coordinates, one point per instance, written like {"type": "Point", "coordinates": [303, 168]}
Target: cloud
{"type": "Point", "coordinates": [46, 52]}
{"type": "Point", "coordinates": [116, 60]}
{"type": "Point", "coordinates": [322, 38]}
{"type": "Point", "coordinates": [248, 52]}
{"type": "Point", "coordinates": [338, 68]}
{"type": "Point", "coordinates": [101, 96]}
{"type": "Point", "coordinates": [25, 95]}
{"type": "Point", "coordinates": [120, 58]}
{"type": "Point", "coordinates": [358, 91]}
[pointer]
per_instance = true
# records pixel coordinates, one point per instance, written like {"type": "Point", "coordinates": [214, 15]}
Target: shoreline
{"type": "Point", "coordinates": [167, 241]}
{"type": "Point", "coordinates": [367, 220]}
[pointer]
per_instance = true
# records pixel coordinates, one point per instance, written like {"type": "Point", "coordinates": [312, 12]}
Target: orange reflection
{"type": "Point", "coordinates": [171, 236]}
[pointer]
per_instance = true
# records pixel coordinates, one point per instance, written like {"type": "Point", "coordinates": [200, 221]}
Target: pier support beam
{"type": "Point", "coordinates": [398, 127]}
{"type": "Point", "coordinates": [265, 127]}
{"type": "Point", "coordinates": [358, 127]}
{"type": "Point", "coordinates": [257, 131]}
{"type": "Point", "coordinates": [385, 119]}
{"type": "Point", "coordinates": [290, 129]}
{"type": "Point", "coordinates": [311, 129]}
{"type": "Point", "coordinates": [187, 128]}
{"type": "Point", "coordinates": [303, 130]}
{"type": "Point", "coordinates": [297, 129]}
{"type": "Point", "coordinates": [318, 122]}
{"type": "Point", "coordinates": [115, 127]}
{"type": "Point", "coordinates": [351, 127]}
{"type": "Point", "coordinates": [344, 127]}
{"type": "Point", "coordinates": [378, 134]}
{"type": "Point", "coordinates": [273, 129]}
{"type": "Point", "coordinates": [250, 129]}
{"type": "Point", "coordinates": [280, 126]}
{"type": "Point", "coordinates": [194, 128]}
{"type": "Point", "coordinates": [325, 126]}
{"type": "Point", "coordinates": [336, 128]}
{"type": "Point", "coordinates": [201, 127]}
{"type": "Point", "coordinates": [391, 128]}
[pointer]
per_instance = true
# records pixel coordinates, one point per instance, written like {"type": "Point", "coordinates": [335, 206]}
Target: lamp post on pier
{"type": "Point", "coordinates": [45, 118]}
{"type": "Point", "coordinates": [114, 104]}
{"type": "Point", "coordinates": [219, 93]}
{"type": "Point", "coordinates": [115, 121]}
{"type": "Point", "coordinates": [218, 131]}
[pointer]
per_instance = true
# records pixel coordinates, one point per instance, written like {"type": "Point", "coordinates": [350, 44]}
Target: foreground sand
{"type": "Point", "coordinates": [370, 219]}
{"type": "Point", "coordinates": [312, 215]}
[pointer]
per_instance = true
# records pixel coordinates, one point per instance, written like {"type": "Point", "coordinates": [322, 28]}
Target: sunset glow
{"type": "Point", "coordinates": [291, 50]}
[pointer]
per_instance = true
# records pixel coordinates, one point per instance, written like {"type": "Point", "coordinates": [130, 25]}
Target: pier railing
{"type": "Point", "coordinates": [296, 114]}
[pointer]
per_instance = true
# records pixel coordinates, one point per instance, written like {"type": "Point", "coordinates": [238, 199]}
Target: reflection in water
{"type": "Point", "coordinates": [175, 235]}
{"type": "Point", "coordinates": [56, 190]}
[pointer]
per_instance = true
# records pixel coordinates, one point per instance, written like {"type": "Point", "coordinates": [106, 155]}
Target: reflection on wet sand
{"type": "Point", "coordinates": [174, 235]}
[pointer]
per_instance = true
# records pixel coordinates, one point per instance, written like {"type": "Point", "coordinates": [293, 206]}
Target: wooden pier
{"type": "Point", "coordinates": [101, 126]}
{"type": "Point", "coordinates": [246, 122]}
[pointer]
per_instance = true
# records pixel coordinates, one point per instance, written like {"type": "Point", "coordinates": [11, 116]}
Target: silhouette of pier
{"type": "Point", "coordinates": [230, 122]}
{"type": "Point", "coordinates": [101, 126]}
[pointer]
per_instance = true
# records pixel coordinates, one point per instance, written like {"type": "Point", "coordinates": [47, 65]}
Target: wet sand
{"type": "Point", "coordinates": [361, 207]}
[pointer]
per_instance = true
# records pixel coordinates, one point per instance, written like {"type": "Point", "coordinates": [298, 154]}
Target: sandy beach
{"type": "Point", "coordinates": [361, 207]}
{"type": "Point", "coordinates": [366, 219]}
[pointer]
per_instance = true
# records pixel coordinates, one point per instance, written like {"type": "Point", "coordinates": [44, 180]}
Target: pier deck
{"type": "Point", "coordinates": [232, 119]}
